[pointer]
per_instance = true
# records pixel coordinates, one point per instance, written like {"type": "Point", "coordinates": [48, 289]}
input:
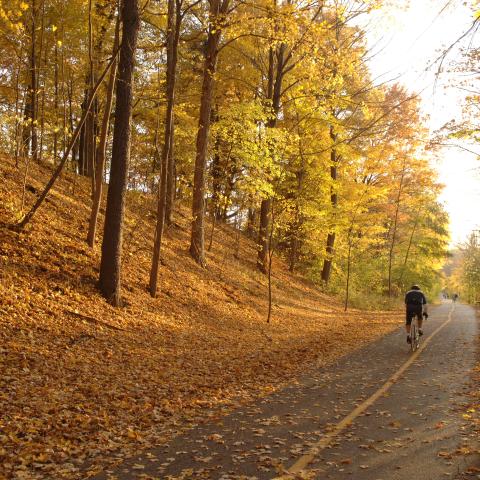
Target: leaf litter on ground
{"type": "Point", "coordinates": [84, 385]}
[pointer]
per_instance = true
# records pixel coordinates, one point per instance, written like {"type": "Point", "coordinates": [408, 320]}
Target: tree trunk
{"type": "Point", "coordinates": [90, 124]}
{"type": "Point", "coordinates": [55, 102]}
{"type": "Point", "coordinates": [334, 158]}
{"type": "Point", "coordinates": [26, 219]}
{"type": "Point", "coordinates": [263, 236]}
{"type": "Point", "coordinates": [17, 110]}
{"type": "Point", "coordinates": [327, 263]}
{"type": "Point", "coordinates": [349, 260]}
{"type": "Point", "coordinates": [40, 112]}
{"type": "Point", "coordinates": [30, 115]}
{"type": "Point", "coordinates": [394, 231]}
{"type": "Point", "coordinates": [110, 266]}
{"type": "Point", "coordinates": [251, 222]}
{"type": "Point", "coordinates": [274, 93]}
{"type": "Point", "coordinates": [171, 180]}
{"type": "Point", "coordinates": [197, 242]}
{"type": "Point", "coordinates": [407, 254]}
{"type": "Point", "coordinates": [82, 155]}
{"type": "Point", "coordinates": [162, 194]}
{"type": "Point", "coordinates": [102, 146]}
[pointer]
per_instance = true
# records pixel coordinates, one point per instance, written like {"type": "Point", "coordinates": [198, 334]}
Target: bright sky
{"type": "Point", "coordinates": [408, 39]}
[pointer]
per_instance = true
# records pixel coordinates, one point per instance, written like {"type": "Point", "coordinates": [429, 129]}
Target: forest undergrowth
{"type": "Point", "coordinates": [84, 384]}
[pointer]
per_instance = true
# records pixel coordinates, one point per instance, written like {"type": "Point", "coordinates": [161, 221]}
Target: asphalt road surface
{"type": "Point", "coordinates": [381, 413]}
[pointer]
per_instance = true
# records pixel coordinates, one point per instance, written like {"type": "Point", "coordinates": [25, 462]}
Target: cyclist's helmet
{"type": "Point", "coordinates": [415, 287]}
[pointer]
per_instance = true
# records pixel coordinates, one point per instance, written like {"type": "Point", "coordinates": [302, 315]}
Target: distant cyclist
{"type": "Point", "coordinates": [455, 297]}
{"type": "Point", "coordinates": [416, 305]}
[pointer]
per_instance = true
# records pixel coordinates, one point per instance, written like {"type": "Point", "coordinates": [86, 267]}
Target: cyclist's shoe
{"type": "Point", "coordinates": [409, 340]}
{"type": "Point", "coordinates": [420, 332]}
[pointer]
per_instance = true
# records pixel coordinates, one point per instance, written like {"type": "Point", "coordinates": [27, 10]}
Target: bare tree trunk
{"type": "Point", "coordinates": [197, 242]}
{"type": "Point", "coordinates": [55, 102]}
{"type": "Point", "coordinates": [110, 266]}
{"type": "Point", "coordinates": [41, 112]}
{"type": "Point", "coordinates": [334, 159]}
{"type": "Point", "coordinates": [271, 251]}
{"type": "Point", "coordinates": [349, 259]}
{"type": "Point", "coordinates": [64, 100]}
{"type": "Point", "coordinates": [82, 155]}
{"type": "Point", "coordinates": [263, 235]}
{"type": "Point", "coordinates": [407, 253]}
{"type": "Point", "coordinates": [214, 222]}
{"type": "Point", "coordinates": [102, 146]}
{"type": "Point", "coordinates": [17, 114]}
{"type": "Point", "coordinates": [394, 231]}
{"type": "Point", "coordinates": [30, 132]}
{"type": "Point", "coordinates": [276, 65]}
{"type": "Point", "coordinates": [167, 143]}
{"type": "Point", "coordinates": [91, 117]}
{"type": "Point", "coordinates": [171, 180]}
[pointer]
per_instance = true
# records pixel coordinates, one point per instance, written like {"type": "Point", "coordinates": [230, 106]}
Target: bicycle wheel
{"type": "Point", "coordinates": [413, 336]}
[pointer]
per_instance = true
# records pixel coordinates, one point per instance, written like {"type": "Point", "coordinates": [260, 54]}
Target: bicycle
{"type": "Point", "coordinates": [414, 335]}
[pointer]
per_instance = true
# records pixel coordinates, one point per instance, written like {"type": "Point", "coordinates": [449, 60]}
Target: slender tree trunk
{"type": "Point", "coordinates": [110, 266]}
{"type": "Point", "coordinates": [214, 222]}
{"type": "Point", "coordinates": [394, 231]}
{"type": "Point", "coordinates": [17, 114]}
{"type": "Point", "coordinates": [171, 179]}
{"type": "Point", "coordinates": [252, 217]}
{"type": "Point", "coordinates": [41, 111]}
{"type": "Point", "coordinates": [274, 93]}
{"type": "Point", "coordinates": [170, 182]}
{"type": "Point", "coordinates": [64, 100]}
{"type": "Point", "coordinates": [263, 235]}
{"type": "Point", "coordinates": [30, 131]}
{"type": "Point", "coordinates": [334, 158]}
{"type": "Point", "coordinates": [298, 220]}
{"type": "Point", "coordinates": [55, 102]}
{"type": "Point", "coordinates": [407, 253]}
{"type": "Point", "coordinates": [197, 242]}
{"type": "Point", "coordinates": [271, 251]}
{"type": "Point", "coordinates": [34, 86]}
{"type": "Point", "coordinates": [162, 194]}
{"type": "Point", "coordinates": [349, 259]}
{"type": "Point", "coordinates": [82, 155]}
{"type": "Point", "coordinates": [90, 146]}
{"type": "Point", "coordinates": [102, 146]}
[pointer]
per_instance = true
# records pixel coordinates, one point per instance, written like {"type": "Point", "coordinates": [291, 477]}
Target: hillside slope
{"type": "Point", "coordinates": [83, 384]}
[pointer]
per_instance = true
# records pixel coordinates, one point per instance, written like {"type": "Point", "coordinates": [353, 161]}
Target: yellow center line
{"type": "Point", "coordinates": [308, 458]}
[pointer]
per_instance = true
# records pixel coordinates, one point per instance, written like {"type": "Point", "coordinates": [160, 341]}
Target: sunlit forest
{"type": "Point", "coordinates": [199, 198]}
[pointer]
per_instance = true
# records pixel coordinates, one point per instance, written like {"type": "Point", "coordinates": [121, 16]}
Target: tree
{"type": "Point", "coordinates": [102, 145]}
{"type": "Point", "coordinates": [218, 10]}
{"type": "Point", "coordinates": [110, 266]}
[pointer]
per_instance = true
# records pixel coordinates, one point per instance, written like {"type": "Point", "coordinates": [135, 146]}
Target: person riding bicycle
{"type": "Point", "coordinates": [415, 305]}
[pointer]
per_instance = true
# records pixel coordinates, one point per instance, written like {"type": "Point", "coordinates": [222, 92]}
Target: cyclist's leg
{"type": "Point", "coordinates": [420, 322]}
{"type": "Point", "coordinates": [408, 321]}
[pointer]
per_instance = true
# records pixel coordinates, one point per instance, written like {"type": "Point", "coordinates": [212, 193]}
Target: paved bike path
{"type": "Point", "coordinates": [414, 430]}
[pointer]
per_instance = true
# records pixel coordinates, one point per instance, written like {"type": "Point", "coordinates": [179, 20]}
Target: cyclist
{"type": "Point", "coordinates": [415, 305]}
{"type": "Point", "coordinates": [455, 297]}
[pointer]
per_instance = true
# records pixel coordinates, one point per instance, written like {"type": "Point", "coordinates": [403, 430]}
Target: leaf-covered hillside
{"type": "Point", "coordinates": [82, 381]}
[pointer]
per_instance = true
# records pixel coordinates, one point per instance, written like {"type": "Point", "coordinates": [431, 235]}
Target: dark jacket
{"type": "Point", "coordinates": [415, 297]}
